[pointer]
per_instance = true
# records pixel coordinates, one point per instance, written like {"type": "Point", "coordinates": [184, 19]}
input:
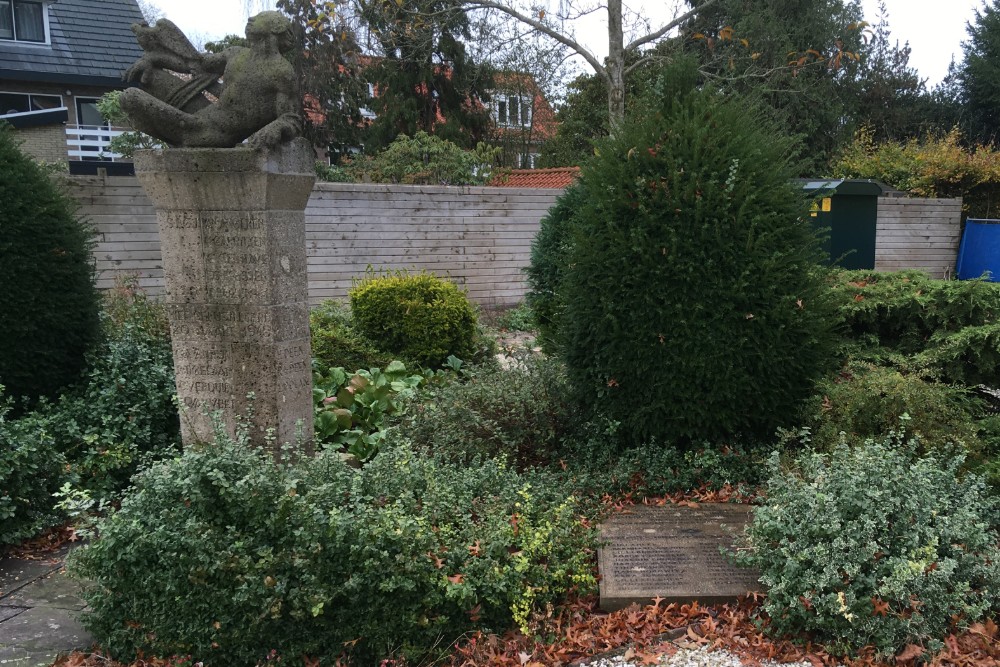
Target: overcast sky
{"type": "Point", "coordinates": [934, 29]}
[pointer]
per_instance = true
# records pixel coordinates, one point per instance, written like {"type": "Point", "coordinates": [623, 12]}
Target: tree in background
{"type": "Point", "coordinates": [893, 101]}
{"type": "Point", "coordinates": [329, 68]}
{"type": "Point", "coordinates": [529, 71]}
{"type": "Point", "coordinates": [623, 24]}
{"type": "Point", "coordinates": [979, 75]}
{"type": "Point", "coordinates": [798, 57]}
{"type": "Point", "coordinates": [424, 78]}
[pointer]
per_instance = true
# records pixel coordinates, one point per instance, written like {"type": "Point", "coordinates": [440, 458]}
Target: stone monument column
{"type": "Point", "coordinates": [232, 232]}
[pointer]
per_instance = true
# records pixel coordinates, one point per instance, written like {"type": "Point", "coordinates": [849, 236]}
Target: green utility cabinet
{"type": "Point", "coordinates": [848, 211]}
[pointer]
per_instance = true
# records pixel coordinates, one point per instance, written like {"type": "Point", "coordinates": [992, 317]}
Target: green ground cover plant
{"type": "Point", "coordinates": [520, 413]}
{"type": "Point", "coordinates": [864, 401]}
{"type": "Point", "coordinates": [31, 470]}
{"type": "Point", "coordinates": [949, 329]}
{"type": "Point", "coordinates": [875, 545]}
{"type": "Point", "coordinates": [351, 408]}
{"type": "Point", "coordinates": [238, 557]}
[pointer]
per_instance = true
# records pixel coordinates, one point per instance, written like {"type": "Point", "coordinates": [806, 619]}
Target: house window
{"type": "Point", "coordinates": [513, 110]}
{"type": "Point", "coordinates": [23, 20]}
{"type": "Point", "coordinates": [527, 160]}
{"type": "Point", "coordinates": [21, 103]}
{"type": "Point", "coordinates": [89, 118]}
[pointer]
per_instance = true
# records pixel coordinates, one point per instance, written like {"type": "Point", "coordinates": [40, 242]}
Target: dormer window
{"type": "Point", "coordinates": [23, 21]}
{"type": "Point", "coordinates": [512, 110]}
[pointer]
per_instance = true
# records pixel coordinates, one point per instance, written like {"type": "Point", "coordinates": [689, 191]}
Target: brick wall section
{"type": "Point", "coordinates": [919, 234]}
{"type": "Point", "coordinates": [47, 143]}
{"type": "Point", "coordinates": [478, 236]}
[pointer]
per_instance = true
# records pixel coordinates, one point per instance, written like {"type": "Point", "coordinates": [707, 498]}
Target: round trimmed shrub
{"type": "Point", "coordinates": [874, 546]}
{"type": "Point", "coordinates": [695, 307]}
{"type": "Point", "coordinates": [418, 316]}
{"type": "Point", "coordinates": [49, 307]}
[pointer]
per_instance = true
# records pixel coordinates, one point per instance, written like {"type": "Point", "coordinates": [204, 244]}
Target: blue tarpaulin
{"type": "Point", "coordinates": [980, 250]}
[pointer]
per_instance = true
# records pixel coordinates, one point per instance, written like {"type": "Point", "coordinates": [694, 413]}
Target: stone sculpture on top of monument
{"type": "Point", "coordinates": [230, 195]}
{"type": "Point", "coordinates": [256, 99]}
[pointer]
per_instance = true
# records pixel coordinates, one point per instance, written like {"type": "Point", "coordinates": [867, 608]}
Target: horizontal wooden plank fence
{"type": "Point", "coordinates": [918, 234]}
{"type": "Point", "coordinates": [479, 237]}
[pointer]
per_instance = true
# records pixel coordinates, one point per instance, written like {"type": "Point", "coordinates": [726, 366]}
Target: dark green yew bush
{"type": "Point", "coordinates": [694, 304]}
{"type": "Point", "coordinates": [874, 546]}
{"type": "Point", "coordinates": [224, 555]}
{"type": "Point", "coordinates": [31, 470]}
{"type": "Point", "coordinates": [417, 316]}
{"type": "Point", "coordinates": [48, 304]}
{"type": "Point", "coordinates": [549, 259]}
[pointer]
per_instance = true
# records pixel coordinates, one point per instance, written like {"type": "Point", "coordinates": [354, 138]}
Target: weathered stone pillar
{"type": "Point", "coordinates": [232, 231]}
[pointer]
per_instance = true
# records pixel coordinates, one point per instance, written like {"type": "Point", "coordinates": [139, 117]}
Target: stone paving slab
{"type": "Point", "coordinates": [39, 610]}
{"type": "Point", "coordinates": [16, 573]}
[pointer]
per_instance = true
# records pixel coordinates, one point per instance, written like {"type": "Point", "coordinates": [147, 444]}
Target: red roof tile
{"type": "Point", "coordinates": [558, 177]}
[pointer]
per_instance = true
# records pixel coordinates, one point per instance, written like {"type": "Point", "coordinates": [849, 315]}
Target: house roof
{"type": "Point", "coordinates": [558, 177]}
{"type": "Point", "coordinates": [91, 43]}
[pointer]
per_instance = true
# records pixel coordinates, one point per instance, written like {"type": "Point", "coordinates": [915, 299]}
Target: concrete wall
{"type": "Point", "coordinates": [919, 234]}
{"type": "Point", "coordinates": [480, 237]}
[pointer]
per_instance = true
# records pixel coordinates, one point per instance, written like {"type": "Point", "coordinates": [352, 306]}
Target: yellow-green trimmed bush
{"type": "Point", "coordinates": [418, 316]}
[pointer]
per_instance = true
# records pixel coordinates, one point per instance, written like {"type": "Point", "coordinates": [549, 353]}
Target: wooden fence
{"type": "Point", "coordinates": [918, 234]}
{"type": "Point", "coordinates": [479, 237]}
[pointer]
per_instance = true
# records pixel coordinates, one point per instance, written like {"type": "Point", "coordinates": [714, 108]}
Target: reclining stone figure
{"type": "Point", "coordinates": [257, 99]}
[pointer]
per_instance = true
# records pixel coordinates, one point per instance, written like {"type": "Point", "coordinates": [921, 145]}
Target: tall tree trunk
{"type": "Point", "coordinates": [615, 66]}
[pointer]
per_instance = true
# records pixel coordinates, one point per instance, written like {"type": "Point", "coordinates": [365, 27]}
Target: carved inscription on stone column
{"type": "Point", "coordinates": [672, 552]}
{"type": "Point", "coordinates": [232, 231]}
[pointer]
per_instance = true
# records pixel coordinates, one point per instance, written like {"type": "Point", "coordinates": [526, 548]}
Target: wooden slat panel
{"type": "Point", "coordinates": [479, 237]}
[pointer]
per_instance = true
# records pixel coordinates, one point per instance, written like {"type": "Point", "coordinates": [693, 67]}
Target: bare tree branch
{"type": "Point", "coordinates": [653, 36]}
{"type": "Point", "coordinates": [584, 52]}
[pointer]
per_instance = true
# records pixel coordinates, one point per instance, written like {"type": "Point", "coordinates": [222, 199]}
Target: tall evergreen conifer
{"type": "Point", "coordinates": [694, 303]}
{"type": "Point", "coordinates": [48, 303]}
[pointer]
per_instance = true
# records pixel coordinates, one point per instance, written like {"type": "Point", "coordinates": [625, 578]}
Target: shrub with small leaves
{"type": "Point", "coordinates": [122, 410]}
{"type": "Point", "coordinates": [337, 343]}
{"type": "Point", "coordinates": [865, 401]}
{"type": "Point", "coordinates": [31, 470]}
{"type": "Point", "coordinates": [520, 413]}
{"type": "Point", "coordinates": [872, 545]}
{"type": "Point", "coordinates": [237, 557]}
{"type": "Point", "coordinates": [418, 316]}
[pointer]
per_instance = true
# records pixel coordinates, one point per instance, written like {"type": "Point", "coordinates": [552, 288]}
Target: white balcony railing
{"type": "Point", "coordinates": [90, 142]}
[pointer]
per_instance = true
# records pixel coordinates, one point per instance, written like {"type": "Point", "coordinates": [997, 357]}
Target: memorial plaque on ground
{"type": "Point", "coordinates": [672, 552]}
